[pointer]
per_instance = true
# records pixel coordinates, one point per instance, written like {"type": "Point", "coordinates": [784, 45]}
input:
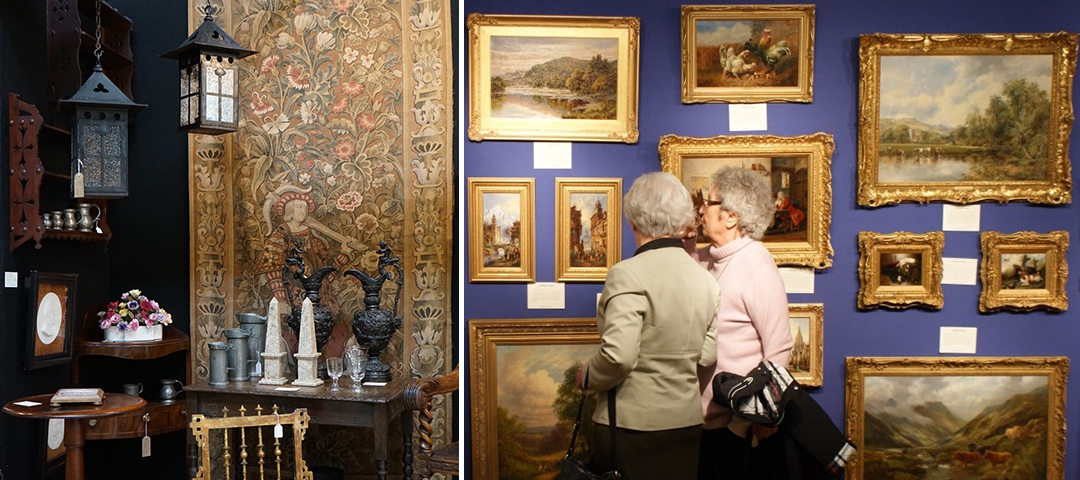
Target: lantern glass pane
{"type": "Point", "coordinates": [91, 170]}
{"type": "Point", "coordinates": [228, 110]}
{"type": "Point", "coordinates": [212, 78]}
{"type": "Point", "coordinates": [193, 81]}
{"type": "Point", "coordinates": [184, 79]}
{"type": "Point", "coordinates": [113, 141]}
{"type": "Point", "coordinates": [228, 82]}
{"type": "Point", "coordinates": [185, 115]}
{"type": "Point", "coordinates": [212, 108]}
{"type": "Point", "coordinates": [90, 138]}
{"type": "Point", "coordinates": [114, 169]}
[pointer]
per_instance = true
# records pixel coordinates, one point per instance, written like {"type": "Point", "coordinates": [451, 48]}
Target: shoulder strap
{"type": "Point", "coordinates": [577, 422]}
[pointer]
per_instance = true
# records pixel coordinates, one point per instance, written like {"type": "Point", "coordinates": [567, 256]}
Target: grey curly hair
{"type": "Point", "coordinates": [747, 194]}
{"type": "Point", "coordinates": [659, 205]}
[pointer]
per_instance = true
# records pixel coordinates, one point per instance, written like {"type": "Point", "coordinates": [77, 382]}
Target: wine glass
{"type": "Point", "coordinates": [335, 368]}
{"type": "Point", "coordinates": [357, 366]}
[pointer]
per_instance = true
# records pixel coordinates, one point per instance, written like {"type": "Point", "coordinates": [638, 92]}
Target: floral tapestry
{"type": "Point", "coordinates": [344, 142]}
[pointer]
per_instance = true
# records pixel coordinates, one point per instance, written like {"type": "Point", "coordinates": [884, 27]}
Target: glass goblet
{"type": "Point", "coordinates": [334, 368]}
{"type": "Point", "coordinates": [357, 366]}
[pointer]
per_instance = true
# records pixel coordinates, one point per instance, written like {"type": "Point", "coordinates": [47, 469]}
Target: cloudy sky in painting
{"type": "Point", "coordinates": [965, 396]}
{"type": "Point", "coordinates": [506, 207]}
{"type": "Point", "coordinates": [511, 54]}
{"type": "Point", "coordinates": [943, 90]}
{"type": "Point", "coordinates": [720, 32]}
{"type": "Point", "coordinates": [529, 378]}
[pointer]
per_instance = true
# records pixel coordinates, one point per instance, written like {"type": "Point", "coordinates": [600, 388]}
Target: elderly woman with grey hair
{"type": "Point", "coordinates": [751, 323]}
{"type": "Point", "coordinates": [656, 320]}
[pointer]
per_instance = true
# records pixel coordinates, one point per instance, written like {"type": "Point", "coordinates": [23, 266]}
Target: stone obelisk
{"type": "Point", "coordinates": [272, 355]}
{"type": "Point", "coordinates": [307, 358]}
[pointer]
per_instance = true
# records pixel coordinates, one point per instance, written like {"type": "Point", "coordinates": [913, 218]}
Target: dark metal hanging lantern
{"type": "Point", "coordinates": [209, 80]}
{"type": "Point", "coordinates": [99, 134]}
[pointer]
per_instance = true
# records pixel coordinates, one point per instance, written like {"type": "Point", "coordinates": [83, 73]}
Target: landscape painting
{"type": "Point", "coordinates": [588, 226]}
{"type": "Point", "coordinates": [553, 78]}
{"type": "Point", "coordinates": [524, 395]}
{"type": "Point", "coordinates": [980, 120]}
{"type": "Point", "coordinates": [956, 418]}
{"type": "Point", "coordinates": [747, 53]}
{"type": "Point", "coordinates": [501, 238]}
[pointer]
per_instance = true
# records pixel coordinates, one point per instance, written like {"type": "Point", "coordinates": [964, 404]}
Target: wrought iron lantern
{"type": "Point", "coordinates": [99, 134]}
{"type": "Point", "coordinates": [209, 83]}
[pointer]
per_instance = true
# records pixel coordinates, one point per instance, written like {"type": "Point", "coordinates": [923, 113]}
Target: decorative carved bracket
{"type": "Point", "coordinates": [25, 170]}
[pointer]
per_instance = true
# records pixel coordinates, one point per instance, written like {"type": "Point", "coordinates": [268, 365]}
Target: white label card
{"type": "Point", "coordinates": [959, 271]}
{"type": "Point", "coordinates": [745, 117]}
{"type": "Point", "coordinates": [960, 218]}
{"type": "Point", "coordinates": [552, 155]}
{"type": "Point", "coordinates": [546, 295]}
{"type": "Point", "coordinates": [958, 339]}
{"type": "Point", "coordinates": [797, 280]}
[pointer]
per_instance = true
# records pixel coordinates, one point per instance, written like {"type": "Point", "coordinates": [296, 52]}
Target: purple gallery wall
{"type": "Point", "coordinates": [848, 331]}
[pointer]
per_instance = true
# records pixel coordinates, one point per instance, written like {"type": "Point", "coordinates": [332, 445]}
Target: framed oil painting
{"type": "Point", "coordinates": [798, 170]}
{"type": "Point", "coordinates": [588, 228]}
{"type": "Point", "coordinates": [1024, 271]}
{"type": "Point", "coordinates": [502, 243]}
{"type": "Point", "coordinates": [747, 53]}
{"type": "Point", "coordinates": [807, 322]}
{"type": "Point", "coordinates": [900, 270]}
{"type": "Point", "coordinates": [51, 323]}
{"type": "Point", "coordinates": [561, 78]}
{"type": "Point", "coordinates": [524, 394]}
{"type": "Point", "coordinates": [956, 418]}
{"type": "Point", "coordinates": [965, 118]}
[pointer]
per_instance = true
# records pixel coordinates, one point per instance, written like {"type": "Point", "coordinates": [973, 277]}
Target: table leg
{"type": "Point", "coordinates": [406, 436]}
{"type": "Point", "coordinates": [74, 440]}
{"type": "Point", "coordinates": [381, 433]}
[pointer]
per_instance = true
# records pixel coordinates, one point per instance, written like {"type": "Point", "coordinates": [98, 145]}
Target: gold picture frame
{"type": "Point", "coordinates": [807, 322]}
{"type": "Point", "coordinates": [503, 249]}
{"type": "Point", "coordinates": [747, 53]}
{"type": "Point", "coordinates": [973, 146]}
{"type": "Point", "coordinates": [900, 270]}
{"type": "Point", "coordinates": [799, 166]}
{"type": "Point", "coordinates": [1024, 271]}
{"type": "Point", "coordinates": [505, 354]}
{"type": "Point", "coordinates": [969, 407]}
{"type": "Point", "coordinates": [585, 255]}
{"type": "Point", "coordinates": [503, 90]}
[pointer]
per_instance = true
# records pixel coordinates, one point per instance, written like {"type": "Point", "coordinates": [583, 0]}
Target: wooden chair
{"type": "Point", "coordinates": [418, 396]}
{"type": "Point", "coordinates": [201, 427]}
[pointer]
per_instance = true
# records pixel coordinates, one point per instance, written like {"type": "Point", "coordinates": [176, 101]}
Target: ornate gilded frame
{"type": "Point", "coordinates": [565, 189]}
{"type": "Point", "coordinates": [1025, 294]}
{"type": "Point", "coordinates": [814, 343]}
{"type": "Point", "coordinates": [745, 90]}
{"type": "Point", "coordinates": [523, 189]}
{"type": "Point", "coordinates": [690, 157]}
{"type": "Point", "coordinates": [1059, 48]}
{"type": "Point", "coordinates": [483, 125]}
{"type": "Point", "coordinates": [485, 336]}
{"type": "Point", "coordinates": [925, 292]}
{"type": "Point", "coordinates": [938, 373]}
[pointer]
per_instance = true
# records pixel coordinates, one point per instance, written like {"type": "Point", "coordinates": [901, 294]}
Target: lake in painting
{"type": "Point", "coordinates": [964, 118]}
{"type": "Point", "coordinates": [554, 78]}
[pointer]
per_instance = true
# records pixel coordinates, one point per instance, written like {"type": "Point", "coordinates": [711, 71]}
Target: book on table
{"type": "Point", "coordinates": [77, 396]}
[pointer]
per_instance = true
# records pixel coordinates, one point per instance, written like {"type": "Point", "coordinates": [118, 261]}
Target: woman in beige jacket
{"type": "Point", "coordinates": [656, 319]}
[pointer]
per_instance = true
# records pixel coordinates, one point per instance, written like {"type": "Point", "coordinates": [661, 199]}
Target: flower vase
{"type": "Point", "coordinates": [143, 334]}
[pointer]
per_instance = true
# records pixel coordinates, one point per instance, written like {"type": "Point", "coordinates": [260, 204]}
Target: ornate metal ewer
{"type": "Point", "coordinates": [374, 327]}
{"type": "Point", "coordinates": [324, 321]}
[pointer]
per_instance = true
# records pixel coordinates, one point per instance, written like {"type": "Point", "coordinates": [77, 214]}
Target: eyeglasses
{"type": "Point", "coordinates": [706, 203]}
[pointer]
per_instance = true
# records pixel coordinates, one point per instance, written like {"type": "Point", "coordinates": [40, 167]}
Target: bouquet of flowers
{"type": "Point", "coordinates": [134, 310]}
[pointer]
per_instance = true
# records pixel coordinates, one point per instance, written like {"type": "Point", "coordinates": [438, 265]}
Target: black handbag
{"type": "Point", "coordinates": [574, 469]}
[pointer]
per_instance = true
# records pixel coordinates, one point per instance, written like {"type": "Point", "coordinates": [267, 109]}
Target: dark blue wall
{"type": "Point", "coordinates": [848, 331]}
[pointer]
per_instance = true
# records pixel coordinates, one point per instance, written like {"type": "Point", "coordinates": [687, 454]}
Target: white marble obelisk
{"type": "Point", "coordinates": [307, 359]}
{"type": "Point", "coordinates": [272, 354]}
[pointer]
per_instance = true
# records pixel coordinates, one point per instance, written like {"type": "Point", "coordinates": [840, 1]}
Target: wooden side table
{"type": "Point", "coordinates": [74, 427]}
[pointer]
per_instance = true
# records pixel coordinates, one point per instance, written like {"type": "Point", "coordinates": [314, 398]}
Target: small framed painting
{"type": "Point", "coordinates": [965, 118]}
{"type": "Point", "coordinates": [808, 351]}
{"type": "Point", "coordinates": [747, 53]}
{"type": "Point", "coordinates": [522, 375]}
{"type": "Point", "coordinates": [941, 417]}
{"type": "Point", "coordinates": [502, 243]}
{"type": "Point", "coordinates": [900, 270]}
{"type": "Point", "coordinates": [588, 228]}
{"type": "Point", "coordinates": [50, 324]}
{"type": "Point", "coordinates": [1024, 271]}
{"type": "Point", "coordinates": [798, 171]}
{"type": "Point", "coordinates": [560, 78]}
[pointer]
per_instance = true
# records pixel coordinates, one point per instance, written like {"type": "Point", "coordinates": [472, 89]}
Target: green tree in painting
{"type": "Point", "coordinates": [513, 460]}
{"type": "Point", "coordinates": [566, 407]}
{"type": "Point", "coordinates": [498, 85]}
{"type": "Point", "coordinates": [1016, 123]}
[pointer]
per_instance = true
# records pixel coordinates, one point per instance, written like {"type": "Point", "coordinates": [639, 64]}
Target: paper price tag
{"type": "Point", "coordinates": [278, 431]}
{"type": "Point", "coordinates": [80, 189]}
{"type": "Point", "coordinates": [146, 446]}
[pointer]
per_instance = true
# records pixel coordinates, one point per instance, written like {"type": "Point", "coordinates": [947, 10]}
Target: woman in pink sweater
{"type": "Point", "coordinates": [752, 321]}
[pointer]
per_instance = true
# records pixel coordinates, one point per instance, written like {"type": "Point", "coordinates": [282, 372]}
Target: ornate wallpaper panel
{"type": "Point", "coordinates": [344, 141]}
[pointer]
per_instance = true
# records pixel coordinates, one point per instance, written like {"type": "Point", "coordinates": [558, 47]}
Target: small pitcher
{"type": "Point", "coordinates": [170, 389]}
{"type": "Point", "coordinates": [69, 219]}
{"type": "Point", "coordinates": [85, 223]}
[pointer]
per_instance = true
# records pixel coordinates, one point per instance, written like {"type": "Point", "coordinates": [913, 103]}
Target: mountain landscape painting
{"type": "Point", "coordinates": [955, 427]}
{"type": "Point", "coordinates": [964, 118]}
{"type": "Point", "coordinates": [554, 77]}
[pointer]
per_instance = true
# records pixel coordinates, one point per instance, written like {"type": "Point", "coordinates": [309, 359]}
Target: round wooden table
{"type": "Point", "coordinates": [74, 427]}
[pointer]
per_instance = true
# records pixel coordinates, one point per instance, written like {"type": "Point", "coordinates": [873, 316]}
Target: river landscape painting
{"type": "Point", "coordinates": [964, 118]}
{"type": "Point", "coordinates": [958, 418]}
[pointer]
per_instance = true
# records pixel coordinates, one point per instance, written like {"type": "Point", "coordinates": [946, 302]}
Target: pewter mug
{"type": "Point", "coordinates": [46, 221]}
{"type": "Point", "coordinates": [170, 389]}
{"type": "Point", "coordinates": [255, 326]}
{"type": "Point", "coordinates": [85, 223]}
{"type": "Point", "coordinates": [238, 353]}
{"type": "Point", "coordinates": [133, 389]}
{"type": "Point", "coordinates": [58, 220]}
{"type": "Point", "coordinates": [69, 219]}
{"type": "Point", "coordinates": [219, 363]}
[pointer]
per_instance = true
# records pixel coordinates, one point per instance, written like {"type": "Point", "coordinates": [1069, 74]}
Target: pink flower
{"type": "Point", "coordinates": [352, 88]}
{"type": "Point", "coordinates": [345, 149]}
{"type": "Point", "coordinates": [342, 6]}
{"type": "Point", "coordinates": [339, 104]}
{"type": "Point", "coordinates": [297, 78]}
{"type": "Point", "coordinates": [105, 324]}
{"type": "Point", "coordinates": [348, 201]}
{"type": "Point", "coordinates": [270, 63]}
{"type": "Point", "coordinates": [260, 103]}
{"type": "Point", "coordinates": [133, 325]}
{"type": "Point", "coordinates": [367, 222]}
{"type": "Point", "coordinates": [365, 121]}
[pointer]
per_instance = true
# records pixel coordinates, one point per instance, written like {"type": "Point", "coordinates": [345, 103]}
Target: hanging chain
{"type": "Point", "coordinates": [97, 33]}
